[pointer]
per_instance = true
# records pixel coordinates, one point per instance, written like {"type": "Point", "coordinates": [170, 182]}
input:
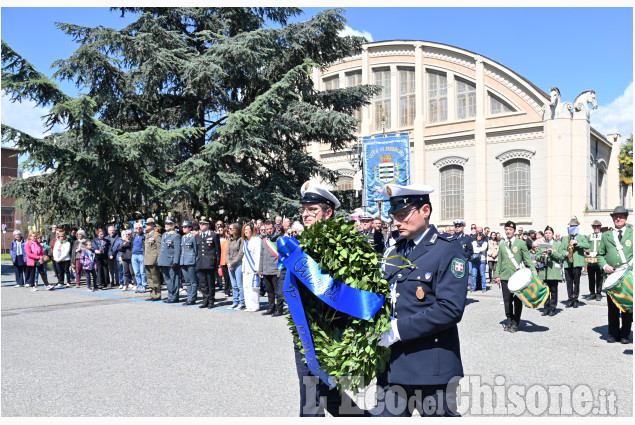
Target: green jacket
{"type": "Point", "coordinates": [578, 250]}
{"type": "Point", "coordinates": [152, 248]}
{"type": "Point", "coordinates": [553, 263]}
{"type": "Point", "coordinates": [608, 251]}
{"type": "Point", "coordinates": [504, 266]}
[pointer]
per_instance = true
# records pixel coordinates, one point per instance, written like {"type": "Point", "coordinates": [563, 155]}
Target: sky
{"type": "Point", "coordinates": [574, 49]}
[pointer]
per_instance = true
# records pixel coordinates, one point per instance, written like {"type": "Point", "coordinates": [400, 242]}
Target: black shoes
{"type": "Point", "coordinates": [268, 312]}
{"type": "Point", "coordinates": [545, 312]}
{"type": "Point", "coordinates": [568, 304]}
{"type": "Point", "coordinates": [624, 340]}
{"type": "Point", "coordinates": [277, 313]}
{"type": "Point", "coordinates": [154, 299]}
{"type": "Point", "coordinates": [552, 312]}
{"type": "Point", "coordinates": [508, 325]}
{"type": "Point", "coordinates": [189, 303]}
{"type": "Point", "coordinates": [172, 301]}
{"type": "Point", "coordinates": [598, 297]}
{"type": "Point", "coordinates": [611, 340]}
{"type": "Point", "coordinates": [575, 303]}
{"type": "Point", "coordinates": [203, 305]}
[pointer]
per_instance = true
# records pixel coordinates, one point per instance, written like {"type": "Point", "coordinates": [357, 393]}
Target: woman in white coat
{"type": "Point", "coordinates": [251, 259]}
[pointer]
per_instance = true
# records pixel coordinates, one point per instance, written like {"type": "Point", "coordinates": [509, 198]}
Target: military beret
{"type": "Point", "coordinates": [596, 223]}
{"type": "Point", "coordinates": [549, 228]}
{"type": "Point", "coordinates": [510, 224]}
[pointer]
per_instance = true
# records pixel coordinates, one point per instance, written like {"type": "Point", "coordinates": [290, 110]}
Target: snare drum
{"type": "Point", "coordinates": [529, 288]}
{"type": "Point", "coordinates": [619, 286]}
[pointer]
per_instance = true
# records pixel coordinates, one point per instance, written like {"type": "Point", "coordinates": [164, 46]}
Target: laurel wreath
{"type": "Point", "coordinates": [345, 347]}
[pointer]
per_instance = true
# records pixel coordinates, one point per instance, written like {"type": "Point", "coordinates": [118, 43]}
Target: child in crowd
{"type": "Point", "coordinates": [87, 258]}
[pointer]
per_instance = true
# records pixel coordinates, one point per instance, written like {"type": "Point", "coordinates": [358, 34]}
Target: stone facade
{"type": "Point", "coordinates": [494, 120]}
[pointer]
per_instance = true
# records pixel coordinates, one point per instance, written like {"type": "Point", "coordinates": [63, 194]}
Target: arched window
{"type": "Point", "coordinates": [344, 183]}
{"type": "Point", "coordinates": [451, 192]}
{"type": "Point", "coordinates": [517, 188]}
{"type": "Point", "coordinates": [465, 99]}
{"type": "Point", "coordinates": [437, 96]}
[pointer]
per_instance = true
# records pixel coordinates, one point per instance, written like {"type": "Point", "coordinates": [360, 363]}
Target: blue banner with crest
{"type": "Point", "coordinates": [386, 161]}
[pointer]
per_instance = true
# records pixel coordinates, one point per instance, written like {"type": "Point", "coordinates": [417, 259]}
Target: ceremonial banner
{"type": "Point", "coordinates": [386, 161]}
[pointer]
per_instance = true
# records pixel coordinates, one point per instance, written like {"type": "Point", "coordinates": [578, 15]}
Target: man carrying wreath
{"type": "Point", "coordinates": [427, 299]}
{"type": "Point", "coordinates": [318, 204]}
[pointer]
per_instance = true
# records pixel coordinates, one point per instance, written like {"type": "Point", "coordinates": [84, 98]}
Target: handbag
{"type": "Point", "coordinates": [475, 257]}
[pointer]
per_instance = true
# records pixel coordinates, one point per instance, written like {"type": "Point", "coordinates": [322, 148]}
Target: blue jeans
{"type": "Point", "coordinates": [139, 270]}
{"type": "Point", "coordinates": [45, 271]}
{"type": "Point", "coordinates": [236, 277]}
{"type": "Point", "coordinates": [477, 267]}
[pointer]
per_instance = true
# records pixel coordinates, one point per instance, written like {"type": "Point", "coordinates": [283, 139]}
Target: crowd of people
{"type": "Point", "coordinates": [239, 259]}
{"type": "Point", "coordinates": [242, 260]}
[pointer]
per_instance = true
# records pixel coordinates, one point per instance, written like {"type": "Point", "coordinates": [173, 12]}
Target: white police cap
{"type": "Point", "coordinates": [313, 192]}
{"type": "Point", "coordinates": [400, 196]}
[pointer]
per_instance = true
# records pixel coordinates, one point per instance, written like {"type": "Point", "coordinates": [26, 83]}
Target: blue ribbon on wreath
{"type": "Point", "coordinates": [339, 296]}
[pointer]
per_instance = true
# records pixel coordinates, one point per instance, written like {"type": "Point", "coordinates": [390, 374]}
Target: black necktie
{"type": "Point", "coordinates": [409, 246]}
{"type": "Point", "coordinates": [619, 235]}
{"type": "Point", "coordinates": [510, 244]}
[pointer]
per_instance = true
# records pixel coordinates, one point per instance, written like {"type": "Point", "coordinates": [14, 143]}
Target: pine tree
{"type": "Point", "coordinates": [209, 107]}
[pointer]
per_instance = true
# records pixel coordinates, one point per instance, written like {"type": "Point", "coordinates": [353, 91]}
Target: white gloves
{"type": "Point", "coordinates": [389, 337]}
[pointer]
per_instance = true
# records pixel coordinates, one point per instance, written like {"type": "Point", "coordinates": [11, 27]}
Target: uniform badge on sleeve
{"type": "Point", "coordinates": [458, 267]}
{"type": "Point", "coordinates": [428, 275]}
{"type": "Point", "coordinates": [420, 293]}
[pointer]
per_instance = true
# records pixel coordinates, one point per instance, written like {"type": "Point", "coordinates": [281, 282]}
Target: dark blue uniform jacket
{"type": "Point", "coordinates": [430, 303]}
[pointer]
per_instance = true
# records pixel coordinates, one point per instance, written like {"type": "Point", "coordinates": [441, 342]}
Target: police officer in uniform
{"type": "Point", "coordinates": [511, 252]}
{"type": "Point", "coordinates": [428, 299]}
{"type": "Point", "coordinates": [188, 261]}
{"type": "Point", "coordinates": [616, 249]}
{"type": "Point", "coordinates": [594, 271]}
{"type": "Point", "coordinates": [463, 239]}
{"type": "Point", "coordinates": [318, 204]}
{"type": "Point", "coordinates": [573, 270]}
{"type": "Point", "coordinates": [152, 243]}
{"type": "Point", "coordinates": [169, 259]}
{"type": "Point", "coordinates": [207, 260]}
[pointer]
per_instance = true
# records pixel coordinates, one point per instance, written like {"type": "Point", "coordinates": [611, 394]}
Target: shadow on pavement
{"type": "Point", "coordinates": [529, 326]}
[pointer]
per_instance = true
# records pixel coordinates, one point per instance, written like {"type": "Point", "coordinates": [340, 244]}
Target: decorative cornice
{"type": "Point", "coordinates": [450, 160]}
{"type": "Point", "coordinates": [346, 172]}
{"type": "Point", "coordinates": [447, 56]}
{"type": "Point", "coordinates": [440, 144]}
{"type": "Point", "coordinates": [515, 154]}
{"type": "Point", "coordinates": [515, 137]}
{"type": "Point", "coordinates": [513, 85]}
{"type": "Point", "coordinates": [407, 50]}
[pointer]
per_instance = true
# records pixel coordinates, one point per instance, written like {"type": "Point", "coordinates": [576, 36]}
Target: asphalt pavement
{"type": "Point", "coordinates": [70, 352]}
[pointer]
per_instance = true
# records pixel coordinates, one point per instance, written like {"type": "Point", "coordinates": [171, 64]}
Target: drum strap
{"type": "Point", "coordinates": [620, 248]}
{"type": "Point", "coordinates": [511, 257]}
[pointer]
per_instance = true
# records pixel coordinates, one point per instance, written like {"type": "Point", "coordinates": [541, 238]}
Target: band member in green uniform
{"type": "Point", "coordinates": [511, 252]}
{"type": "Point", "coordinates": [574, 244]}
{"type": "Point", "coordinates": [616, 249]}
{"type": "Point", "coordinates": [551, 271]}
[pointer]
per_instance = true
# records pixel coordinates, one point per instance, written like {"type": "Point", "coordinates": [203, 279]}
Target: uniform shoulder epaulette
{"type": "Point", "coordinates": [447, 237]}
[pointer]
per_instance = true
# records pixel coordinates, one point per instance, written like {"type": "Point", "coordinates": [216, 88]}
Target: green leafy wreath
{"type": "Point", "coordinates": [345, 347]}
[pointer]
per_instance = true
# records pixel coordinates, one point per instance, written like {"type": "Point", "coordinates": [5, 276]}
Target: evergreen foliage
{"type": "Point", "coordinates": [206, 108]}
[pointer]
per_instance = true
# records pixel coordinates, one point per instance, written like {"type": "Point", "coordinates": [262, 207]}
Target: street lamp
{"type": "Point", "coordinates": [355, 157]}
